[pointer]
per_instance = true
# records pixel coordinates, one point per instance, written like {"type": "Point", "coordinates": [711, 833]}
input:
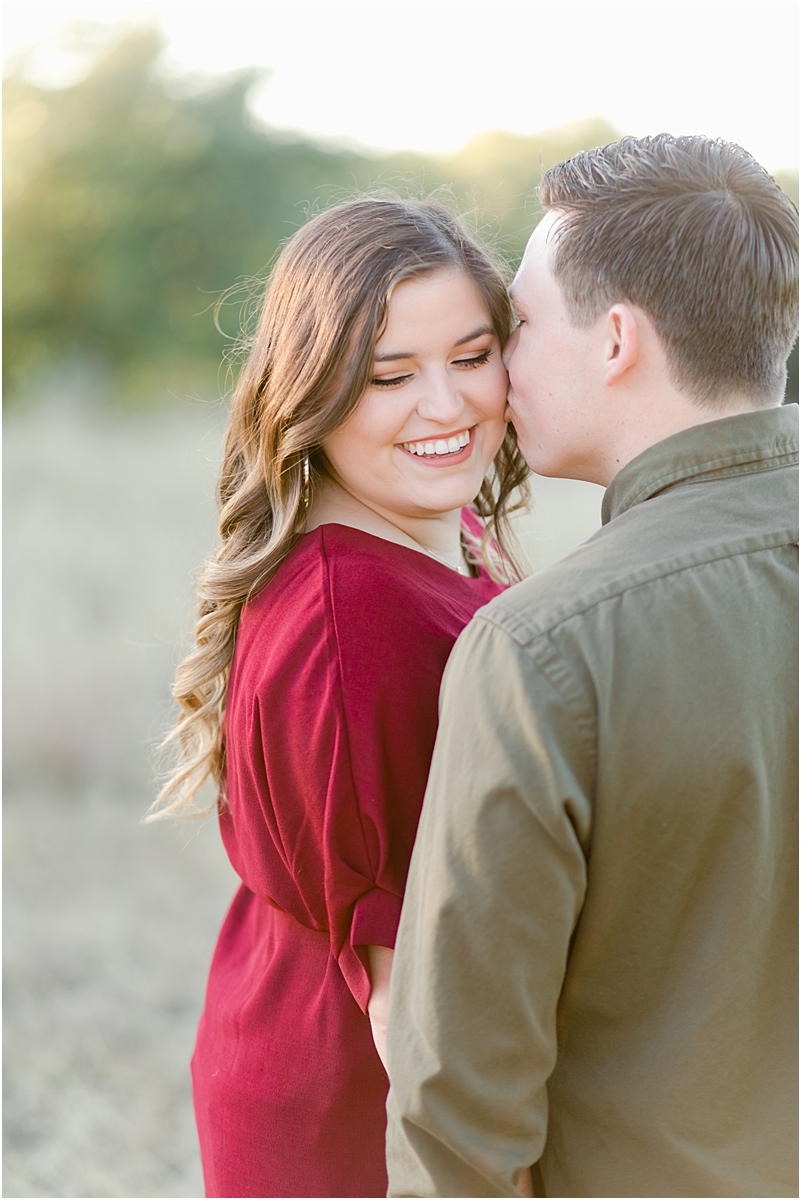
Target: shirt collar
{"type": "Point", "coordinates": [739, 445]}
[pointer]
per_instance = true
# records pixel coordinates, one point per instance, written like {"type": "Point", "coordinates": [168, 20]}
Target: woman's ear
{"type": "Point", "coordinates": [622, 344]}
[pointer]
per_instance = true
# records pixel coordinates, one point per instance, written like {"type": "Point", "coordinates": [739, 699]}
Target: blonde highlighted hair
{"type": "Point", "coordinates": [311, 360]}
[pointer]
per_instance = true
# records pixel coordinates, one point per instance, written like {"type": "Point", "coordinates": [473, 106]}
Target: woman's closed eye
{"type": "Point", "coordinates": [388, 381]}
{"type": "Point", "coordinates": [475, 360]}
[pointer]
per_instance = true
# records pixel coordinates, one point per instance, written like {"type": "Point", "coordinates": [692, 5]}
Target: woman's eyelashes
{"type": "Point", "coordinates": [475, 360]}
{"type": "Point", "coordinates": [386, 382]}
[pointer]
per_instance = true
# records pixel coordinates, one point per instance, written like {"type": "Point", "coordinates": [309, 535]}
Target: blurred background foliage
{"type": "Point", "coordinates": [133, 202]}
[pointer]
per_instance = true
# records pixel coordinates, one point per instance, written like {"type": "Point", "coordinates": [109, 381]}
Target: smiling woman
{"type": "Point", "coordinates": [419, 445]}
{"type": "Point", "coordinates": [368, 459]}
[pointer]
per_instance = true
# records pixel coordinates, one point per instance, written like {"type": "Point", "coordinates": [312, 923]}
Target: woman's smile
{"type": "Point", "coordinates": [444, 450]}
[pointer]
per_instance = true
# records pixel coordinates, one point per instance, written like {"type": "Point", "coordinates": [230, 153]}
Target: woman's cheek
{"type": "Point", "coordinates": [502, 388]}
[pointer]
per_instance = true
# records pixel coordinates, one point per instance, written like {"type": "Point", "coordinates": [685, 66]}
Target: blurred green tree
{"type": "Point", "coordinates": [132, 204]}
{"type": "Point", "coordinates": [129, 209]}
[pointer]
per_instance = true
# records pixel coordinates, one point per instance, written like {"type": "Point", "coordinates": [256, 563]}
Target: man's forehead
{"type": "Point", "coordinates": [541, 242]}
{"type": "Point", "coordinates": [538, 250]}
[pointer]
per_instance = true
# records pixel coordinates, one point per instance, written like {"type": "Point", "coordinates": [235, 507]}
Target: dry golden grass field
{"type": "Point", "coordinates": [108, 924]}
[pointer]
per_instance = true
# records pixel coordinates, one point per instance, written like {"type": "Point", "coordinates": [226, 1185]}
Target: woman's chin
{"type": "Point", "coordinates": [444, 499]}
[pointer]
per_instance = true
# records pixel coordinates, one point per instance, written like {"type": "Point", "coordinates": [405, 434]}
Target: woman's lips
{"type": "Point", "coordinates": [439, 452]}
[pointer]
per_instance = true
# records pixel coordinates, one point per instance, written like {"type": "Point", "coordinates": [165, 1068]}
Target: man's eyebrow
{"type": "Point", "coordinates": [393, 356]}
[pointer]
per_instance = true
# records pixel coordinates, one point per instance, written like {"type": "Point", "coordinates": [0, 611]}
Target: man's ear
{"type": "Point", "coordinates": [622, 344]}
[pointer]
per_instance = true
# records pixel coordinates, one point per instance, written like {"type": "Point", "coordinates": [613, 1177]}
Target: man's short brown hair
{"type": "Point", "coordinates": [697, 234]}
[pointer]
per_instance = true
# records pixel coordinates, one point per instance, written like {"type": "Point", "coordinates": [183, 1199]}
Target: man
{"type": "Point", "coordinates": [595, 970]}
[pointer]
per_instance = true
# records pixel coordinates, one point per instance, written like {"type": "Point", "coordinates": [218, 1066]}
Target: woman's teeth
{"type": "Point", "coordinates": [441, 446]}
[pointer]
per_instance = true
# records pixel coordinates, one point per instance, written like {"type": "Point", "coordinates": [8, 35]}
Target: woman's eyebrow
{"type": "Point", "coordinates": [482, 329]}
{"type": "Point", "coordinates": [399, 354]}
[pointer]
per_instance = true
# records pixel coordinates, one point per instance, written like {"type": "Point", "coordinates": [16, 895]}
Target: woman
{"type": "Point", "coordinates": [369, 414]}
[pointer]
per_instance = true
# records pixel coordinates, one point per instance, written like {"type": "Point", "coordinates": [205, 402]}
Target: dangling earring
{"type": "Point", "coordinates": [306, 484]}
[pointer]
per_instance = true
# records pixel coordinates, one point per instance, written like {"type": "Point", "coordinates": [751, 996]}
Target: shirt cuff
{"type": "Point", "coordinates": [374, 923]}
{"type": "Point", "coordinates": [375, 919]}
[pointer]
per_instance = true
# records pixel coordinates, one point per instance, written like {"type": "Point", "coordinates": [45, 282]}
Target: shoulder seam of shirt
{"type": "Point", "coordinates": [583, 722]}
{"type": "Point", "coordinates": [329, 597]}
{"type": "Point", "coordinates": [516, 623]}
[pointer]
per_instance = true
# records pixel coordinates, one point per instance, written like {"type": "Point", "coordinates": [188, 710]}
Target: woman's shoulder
{"type": "Point", "coordinates": [337, 562]}
{"type": "Point", "coordinates": [366, 574]}
{"type": "Point", "coordinates": [340, 581]}
{"type": "Point", "coordinates": [331, 576]}
{"type": "Point", "coordinates": [348, 610]}
{"type": "Point", "coordinates": [362, 570]}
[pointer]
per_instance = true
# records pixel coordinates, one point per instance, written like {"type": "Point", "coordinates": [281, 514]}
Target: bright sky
{"type": "Point", "coordinates": [428, 76]}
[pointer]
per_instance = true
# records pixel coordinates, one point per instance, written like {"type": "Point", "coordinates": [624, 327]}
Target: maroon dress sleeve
{"type": "Point", "coordinates": [332, 717]}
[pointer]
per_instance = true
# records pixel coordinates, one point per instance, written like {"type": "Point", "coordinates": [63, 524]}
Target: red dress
{"type": "Point", "coordinates": [331, 718]}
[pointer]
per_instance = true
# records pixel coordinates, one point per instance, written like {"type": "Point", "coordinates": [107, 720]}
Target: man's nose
{"type": "Point", "coordinates": [509, 348]}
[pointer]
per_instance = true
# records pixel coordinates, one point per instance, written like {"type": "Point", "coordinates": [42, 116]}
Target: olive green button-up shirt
{"type": "Point", "coordinates": [596, 964]}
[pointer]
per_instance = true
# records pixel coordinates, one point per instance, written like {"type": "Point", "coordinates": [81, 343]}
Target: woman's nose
{"type": "Point", "coordinates": [441, 400]}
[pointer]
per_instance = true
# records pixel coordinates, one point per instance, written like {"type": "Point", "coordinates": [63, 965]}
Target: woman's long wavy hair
{"type": "Point", "coordinates": [310, 362]}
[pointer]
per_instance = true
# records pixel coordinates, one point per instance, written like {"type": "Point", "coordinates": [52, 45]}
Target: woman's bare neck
{"type": "Point", "coordinates": [438, 535]}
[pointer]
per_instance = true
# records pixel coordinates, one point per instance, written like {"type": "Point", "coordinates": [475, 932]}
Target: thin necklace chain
{"type": "Point", "coordinates": [462, 569]}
